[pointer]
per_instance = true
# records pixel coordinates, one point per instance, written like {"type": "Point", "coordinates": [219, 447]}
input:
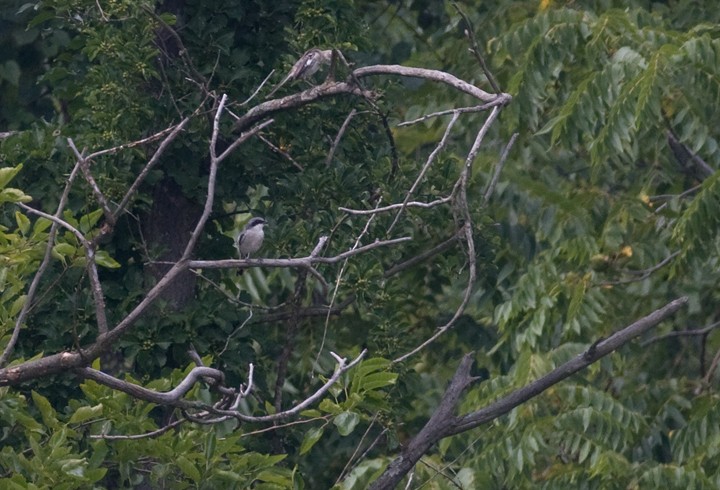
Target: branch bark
{"type": "Point", "coordinates": [443, 423]}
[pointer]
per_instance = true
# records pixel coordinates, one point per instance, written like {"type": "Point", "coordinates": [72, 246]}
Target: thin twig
{"type": "Point", "coordinates": [438, 249]}
{"type": "Point", "coordinates": [173, 132]}
{"type": "Point", "coordinates": [461, 110]}
{"type": "Point", "coordinates": [232, 334]}
{"type": "Point", "coordinates": [280, 151]}
{"type": "Point", "coordinates": [257, 90]}
{"type": "Point", "coordinates": [475, 50]}
{"type": "Point", "coordinates": [425, 168]}
{"type": "Point", "coordinates": [338, 137]}
{"type": "Point", "coordinates": [134, 437]}
{"type": "Point", "coordinates": [498, 169]}
{"type": "Point", "coordinates": [99, 196]}
{"type": "Point", "coordinates": [337, 285]}
{"type": "Point", "coordinates": [642, 274]}
{"type": "Point", "coordinates": [411, 204]}
{"type": "Point", "coordinates": [682, 333]}
{"type": "Point", "coordinates": [30, 297]}
{"type": "Point", "coordinates": [459, 192]}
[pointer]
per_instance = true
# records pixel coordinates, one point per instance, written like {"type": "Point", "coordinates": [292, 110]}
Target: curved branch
{"type": "Point", "coordinates": [172, 397]}
{"type": "Point", "coordinates": [340, 369]}
{"type": "Point", "coordinates": [434, 75]}
{"type": "Point", "coordinates": [330, 89]}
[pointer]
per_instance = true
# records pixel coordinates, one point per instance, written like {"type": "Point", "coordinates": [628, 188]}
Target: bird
{"type": "Point", "coordinates": [308, 64]}
{"type": "Point", "coordinates": [250, 239]}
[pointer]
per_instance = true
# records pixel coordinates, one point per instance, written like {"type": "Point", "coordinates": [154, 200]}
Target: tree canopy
{"type": "Point", "coordinates": [491, 257]}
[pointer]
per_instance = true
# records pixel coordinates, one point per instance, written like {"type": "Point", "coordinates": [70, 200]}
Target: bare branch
{"type": "Point", "coordinates": [411, 204]}
{"type": "Point", "coordinates": [434, 75]}
{"type": "Point", "coordinates": [58, 221]}
{"type": "Point", "coordinates": [459, 191]}
{"type": "Point", "coordinates": [342, 367]}
{"type": "Point", "coordinates": [642, 274]}
{"type": "Point", "coordinates": [173, 132]}
{"type": "Point", "coordinates": [498, 169]}
{"type": "Point", "coordinates": [232, 334]}
{"type": "Point", "coordinates": [338, 137]}
{"type": "Point", "coordinates": [444, 423]}
{"type": "Point", "coordinates": [594, 353]}
{"type": "Point", "coordinates": [327, 89]}
{"type": "Point", "coordinates": [438, 249]}
{"type": "Point", "coordinates": [330, 88]}
{"type": "Point", "coordinates": [257, 90]}
{"type": "Point", "coordinates": [243, 138]}
{"type": "Point", "coordinates": [682, 333]}
{"type": "Point", "coordinates": [290, 263]}
{"type": "Point", "coordinates": [98, 296]}
{"type": "Point", "coordinates": [7, 134]}
{"type": "Point", "coordinates": [99, 196]}
{"type": "Point", "coordinates": [133, 144]}
{"type": "Point", "coordinates": [475, 49]}
{"type": "Point", "coordinates": [172, 397]}
{"type": "Point", "coordinates": [146, 435]}
{"type": "Point", "coordinates": [425, 168]}
{"type": "Point", "coordinates": [337, 284]}
{"type": "Point", "coordinates": [32, 290]}
{"type": "Point", "coordinates": [461, 110]}
{"type": "Point", "coordinates": [280, 151]}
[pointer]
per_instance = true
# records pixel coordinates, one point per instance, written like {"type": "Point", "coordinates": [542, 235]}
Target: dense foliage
{"type": "Point", "coordinates": [607, 207]}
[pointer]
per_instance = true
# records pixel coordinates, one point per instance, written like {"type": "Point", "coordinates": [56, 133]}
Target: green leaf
{"type": "Point", "coordinates": [23, 222]}
{"type": "Point", "coordinates": [10, 71]}
{"type": "Point", "coordinates": [188, 468]}
{"type": "Point", "coordinates": [41, 224]}
{"type": "Point", "coordinates": [17, 305]}
{"type": "Point", "coordinates": [62, 250]}
{"type": "Point", "coordinates": [46, 410]}
{"type": "Point", "coordinates": [103, 258]}
{"type": "Point", "coordinates": [346, 422]}
{"type": "Point", "coordinates": [85, 413]}
{"type": "Point", "coordinates": [328, 406]}
{"type": "Point", "coordinates": [7, 174]}
{"type": "Point", "coordinates": [377, 380]}
{"type": "Point", "coordinates": [41, 17]}
{"type": "Point", "coordinates": [271, 476]}
{"type": "Point", "coordinates": [88, 221]}
{"type": "Point", "coordinates": [311, 437]}
{"type": "Point", "coordinates": [11, 194]}
{"type": "Point", "coordinates": [210, 445]}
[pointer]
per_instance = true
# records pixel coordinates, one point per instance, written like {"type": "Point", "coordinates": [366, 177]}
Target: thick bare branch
{"type": "Point", "coordinates": [443, 423]}
{"type": "Point", "coordinates": [173, 397]}
{"type": "Point", "coordinates": [434, 75]}
{"type": "Point", "coordinates": [330, 89]}
{"type": "Point", "coordinates": [290, 263]}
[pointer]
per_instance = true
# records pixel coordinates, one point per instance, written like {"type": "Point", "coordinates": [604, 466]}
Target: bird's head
{"type": "Point", "coordinates": [255, 222]}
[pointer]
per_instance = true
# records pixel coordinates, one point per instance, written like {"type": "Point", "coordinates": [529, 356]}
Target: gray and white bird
{"type": "Point", "coordinates": [250, 239]}
{"type": "Point", "coordinates": [308, 65]}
